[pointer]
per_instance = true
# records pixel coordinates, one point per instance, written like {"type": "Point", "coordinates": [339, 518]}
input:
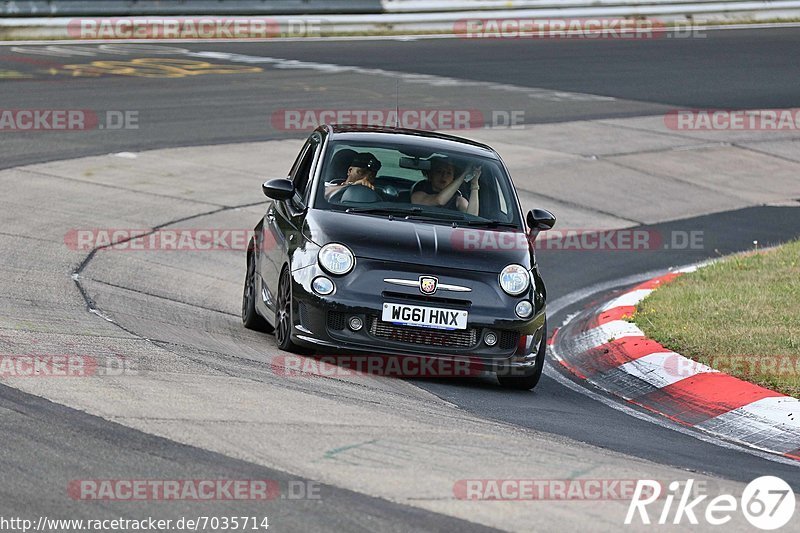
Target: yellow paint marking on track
{"type": "Point", "coordinates": [14, 75]}
{"type": "Point", "coordinates": [152, 68]}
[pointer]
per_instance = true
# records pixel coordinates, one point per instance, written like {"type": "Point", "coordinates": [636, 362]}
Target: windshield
{"type": "Point", "coordinates": [408, 181]}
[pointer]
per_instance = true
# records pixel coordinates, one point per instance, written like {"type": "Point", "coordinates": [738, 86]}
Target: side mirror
{"type": "Point", "coordinates": [278, 189]}
{"type": "Point", "coordinates": [540, 220]}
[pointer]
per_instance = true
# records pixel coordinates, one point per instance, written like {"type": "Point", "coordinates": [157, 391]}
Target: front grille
{"type": "Point", "coordinates": [431, 337]}
{"type": "Point", "coordinates": [421, 298]}
{"type": "Point", "coordinates": [508, 340]}
{"type": "Point", "coordinates": [336, 320]}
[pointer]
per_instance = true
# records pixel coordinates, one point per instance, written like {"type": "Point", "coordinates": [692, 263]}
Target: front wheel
{"type": "Point", "coordinates": [283, 314]}
{"type": "Point", "coordinates": [250, 317]}
{"type": "Point", "coordinates": [528, 381]}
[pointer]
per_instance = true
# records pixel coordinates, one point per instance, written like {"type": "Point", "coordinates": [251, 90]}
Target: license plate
{"type": "Point", "coordinates": [426, 317]}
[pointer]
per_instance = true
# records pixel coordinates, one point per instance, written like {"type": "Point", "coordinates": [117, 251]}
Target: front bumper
{"type": "Point", "coordinates": [321, 322]}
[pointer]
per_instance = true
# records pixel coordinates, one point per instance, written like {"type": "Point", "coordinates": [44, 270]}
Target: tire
{"type": "Point", "coordinates": [529, 381]}
{"type": "Point", "coordinates": [250, 317]}
{"type": "Point", "coordinates": [284, 321]}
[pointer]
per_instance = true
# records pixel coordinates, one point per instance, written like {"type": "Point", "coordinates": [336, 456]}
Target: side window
{"type": "Point", "coordinates": [301, 171]}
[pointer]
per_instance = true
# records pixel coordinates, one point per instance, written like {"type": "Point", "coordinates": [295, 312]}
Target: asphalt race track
{"type": "Point", "coordinates": [191, 322]}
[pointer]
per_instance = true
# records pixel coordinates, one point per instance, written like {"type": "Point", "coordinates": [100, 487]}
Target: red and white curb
{"type": "Point", "coordinates": [599, 346]}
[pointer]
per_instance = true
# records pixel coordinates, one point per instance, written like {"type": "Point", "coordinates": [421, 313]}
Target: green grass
{"type": "Point", "coordinates": [740, 315]}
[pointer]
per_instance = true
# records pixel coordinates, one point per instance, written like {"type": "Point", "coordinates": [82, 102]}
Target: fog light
{"type": "Point", "coordinates": [355, 323]}
{"type": "Point", "coordinates": [322, 285]}
{"type": "Point", "coordinates": [524, 309]}
{"type": "Point", "coordinates": [490, 338]}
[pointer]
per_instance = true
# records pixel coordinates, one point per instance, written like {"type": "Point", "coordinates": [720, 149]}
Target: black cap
{"type": "Point", "coordinates": [366, 160]}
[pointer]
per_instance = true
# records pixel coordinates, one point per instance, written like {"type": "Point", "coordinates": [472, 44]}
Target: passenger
{"type": "Point", "coordinates": [441, 188]}
{"type": "Point", "coordinates": [362, 171]}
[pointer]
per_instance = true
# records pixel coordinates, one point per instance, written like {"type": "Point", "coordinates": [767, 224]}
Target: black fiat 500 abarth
{"type": "Point", "coordinates": [404, 243]}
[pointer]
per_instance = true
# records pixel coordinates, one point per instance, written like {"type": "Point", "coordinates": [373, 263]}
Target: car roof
{"type": "Point", "coordinates": [348, 132]}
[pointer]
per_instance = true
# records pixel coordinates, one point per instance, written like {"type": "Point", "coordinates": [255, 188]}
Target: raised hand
{"type": "Point", "coordinates": [365, 182]}
{"type": "Point", "coordinates": [472, 172]}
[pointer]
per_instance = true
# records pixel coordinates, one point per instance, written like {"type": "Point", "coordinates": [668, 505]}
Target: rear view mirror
{"type": "Point", "coordinates": [414, 163]}
{"type": "Point", "coordinates": [540, 220]}
{"type": "Point", "coordinates": [278, 189]}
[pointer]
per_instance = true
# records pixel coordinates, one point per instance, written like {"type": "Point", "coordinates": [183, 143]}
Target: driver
{"type": "Point", "coordinates": [362, 171]}
{"type": "Point", "coordinates": [441, 188]}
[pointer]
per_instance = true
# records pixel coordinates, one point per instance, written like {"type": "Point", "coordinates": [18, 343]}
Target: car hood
{"type": "Point", "coordinates": [438, 245]}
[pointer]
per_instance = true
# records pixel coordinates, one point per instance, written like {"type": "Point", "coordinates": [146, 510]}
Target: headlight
{"type": "Point", "coordinates": [524, 309]}
{"type": "Point", "coordinates": [336, 259]}
{"type": "Point", "coordinates": [515, 280]}
{"type": "Point", "coordinates": [322, 286]}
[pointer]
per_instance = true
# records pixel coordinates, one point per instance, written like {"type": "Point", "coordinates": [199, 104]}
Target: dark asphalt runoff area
{"type": "Point", "coordinates": [722, 69]}
{"type": "Point", "coordinates": [725, 69]}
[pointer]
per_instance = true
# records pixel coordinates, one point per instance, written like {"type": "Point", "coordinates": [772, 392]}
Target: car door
{"type": "Point", "coordinates": [283, 218]}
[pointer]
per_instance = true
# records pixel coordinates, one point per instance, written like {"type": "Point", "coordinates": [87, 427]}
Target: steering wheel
{"type": "Point", "coordinates": [356, 194]}
{"type": "Point", "coordinates": [389, 192]}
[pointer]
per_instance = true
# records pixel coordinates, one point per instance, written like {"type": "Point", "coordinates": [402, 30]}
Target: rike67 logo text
{"type": "Point", "coordinates": [767, 503]}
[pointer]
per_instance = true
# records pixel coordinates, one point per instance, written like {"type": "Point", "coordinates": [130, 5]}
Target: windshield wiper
{"type": "Point", "coordinates": [385, 210]}
{"type": "Point", "coordinates": [415, 213]}
{"type": "Point", "coordinates": [492, 224]}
